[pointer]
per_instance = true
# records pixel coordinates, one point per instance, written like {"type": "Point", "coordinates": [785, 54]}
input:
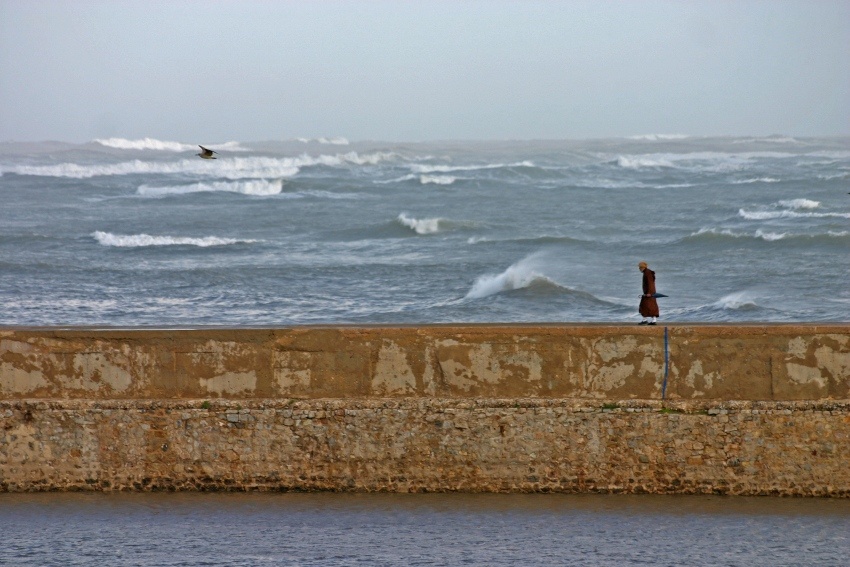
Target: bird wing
{"type": "Point", "coordinates": [206, 150]}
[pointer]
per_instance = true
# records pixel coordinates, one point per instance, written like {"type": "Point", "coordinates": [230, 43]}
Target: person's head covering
{"type": "Point", "coordinates": [642, 265]}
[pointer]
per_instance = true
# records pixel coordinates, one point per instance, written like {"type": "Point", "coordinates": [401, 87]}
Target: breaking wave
{"type": "Point", "coordinates": [638, 162]}
{"type": "Point", "coordinates": [522, 275]}
{"type": "Point", "coordinates": [143, 144]}
{"type": "Point", "coordinates": [160, 145]}
{"type": "Point", "coordinates": [258, 187]}
{"type": "Point", "coordinates": [698, 161]}
{"type": "Point", "coordinates": [741, 300]}
{"type": "Point", "coordinates": [756, 180]}
{"type": "Point", "coordinates": [799, 204]}
{"type": "Point", "coordinates": [230, 168]}
{"type": "Point", "coordinates": [425, 168]}
{"type": "Point", "coordinates": [769, 215]}
{"type": "Point", "coordinates": [420, 226]}
{"type": "Point", "coordinates": [437, 179]}
{"type": "Point", "coordinates": [657, 137]}
{"type": "Point", "coordinates": [145, 240]}
{"type": "Point", "coordinates": [336, 141]}
{"type": "Point", "coordinates": [709, 234]}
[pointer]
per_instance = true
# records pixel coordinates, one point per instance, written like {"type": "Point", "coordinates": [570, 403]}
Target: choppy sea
{"type": "Point", "coordinates": [145, 233]}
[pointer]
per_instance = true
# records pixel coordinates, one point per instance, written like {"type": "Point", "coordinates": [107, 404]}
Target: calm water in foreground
{"type": "Point", "coordinates": [445, 529]}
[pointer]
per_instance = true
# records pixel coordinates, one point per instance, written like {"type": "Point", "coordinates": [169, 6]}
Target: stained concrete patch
{"type": "Point", "coordinates": [230, 383]}
{"type": "Point", "coordinates": [393, 375]}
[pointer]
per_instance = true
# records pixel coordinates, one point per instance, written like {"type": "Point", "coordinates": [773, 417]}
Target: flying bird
{"type": "Point", "coordinates": [206, 153]}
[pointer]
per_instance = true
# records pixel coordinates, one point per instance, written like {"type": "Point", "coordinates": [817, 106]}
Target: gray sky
{"type": "Point", "coordinates": [425, 70]}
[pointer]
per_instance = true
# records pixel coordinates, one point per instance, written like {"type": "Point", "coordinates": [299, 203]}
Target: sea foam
{"type": "Point", "coordinates": [770, 215]}
{"type": "Point", "coordinates": [427, 168]}
{"type": "Point", "coordinates": [437, 179]}
{"type": "Point", "coordinates": [230, 168]}
{"type": "Point", "coordinates": [420, 226]}
{"type": "Point", "coordinates": [143, 144]}
{"type": "Point", "coordinates": [799, 204]}
{"type": "Point", "coordinates": [737, 300]}
{"type": "Point", "coordinates": [160, 145]}
{"type": "Point", "coordinates": [256, 187]}
{"type": "Point", "coordinates": [144, 240]}
{"type": "Point", "coordinates": [518, 276]}
{"type": "Point", "coordinates": [335, 141]}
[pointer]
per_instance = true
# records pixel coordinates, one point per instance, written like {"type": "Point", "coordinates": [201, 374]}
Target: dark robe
{"type": "Point", "coordinates": [648, 305]}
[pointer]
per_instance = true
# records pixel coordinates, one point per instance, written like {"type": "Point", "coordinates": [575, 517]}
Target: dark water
{"type": "Point", "coordinates": [445, 529]}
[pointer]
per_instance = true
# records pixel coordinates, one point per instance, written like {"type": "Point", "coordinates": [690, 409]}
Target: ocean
{"type": "Point", "coordinates": [340, 530]}
{"type": "Point", "coordinates": [125, 232]}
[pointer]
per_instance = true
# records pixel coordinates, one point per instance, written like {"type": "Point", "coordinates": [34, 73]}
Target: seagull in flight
{"type": "Point", "coordinates": [206, 153]}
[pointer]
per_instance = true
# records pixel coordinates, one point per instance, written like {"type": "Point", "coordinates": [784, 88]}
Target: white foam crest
{"type": "Point", "coordinates": [640, 162]}
{"type": "Point", "coordinates": [407, 177]}
{"type": "Point", "coordinates": [657, 137]}
{"type": "Point", "coordinates": [425, 168]}
{"type": "Point", "coordinates": [257, 187]}
{"type": "Point", "coordinates": [771, 139]}
{"type": "Point", "coordinates": [724, 232]}
{"type": "Point", "coordinates": [420, 226]}
{"type": "Point", "coordinates": [145, 240]}
{"type": "Point", "coordinates": [518, 276]}
{"type": "Point", "coordinates": [770, 236]}
{"type": "Point", "coordinates": [703, 161]}
{"type": "Point", "coordinates": [437, 179]}
{"type": "Point", "coordinates": [143, 144]}
{"type": "Point", "coordinates": [334, 141]}
{"type": "Point", "coordinates": [770, 215]}
{"type": "Point", "coordinates": [756, 180]}
{"type": "Point", "coordinates": [231, 168]}
{"type": "Point", "coordinates": [737, 300]}
{"type": "Point", "coordinates": [799, 204]}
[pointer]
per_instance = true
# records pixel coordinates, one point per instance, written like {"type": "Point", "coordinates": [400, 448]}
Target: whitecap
{"type": "Point", "coordinates": [518, 276]}
{"type": "Point", "coordinates": [162, 145]}
{"type": "Point", "coordinates": [756, 180]}
{"type": "Point", "coordinates": [638, 162]}
{"type": "Point", "coordinates": [256, 187]}
{"type": "Point", "coordinates": [770, 236]}
{"type": "Point", "coordinates": [799, 204]}
{"type": "Point", "coordinates": [426, 168]}
{"type": "Point", "coordinates": [657, 137]}
{"type": "Point", "coordinates": [715, 232]}
{"type": "Point", "coordinates": [420, 226]}
{"type": "Point", "coordinates": [230, 168]}
{"type": "Point", "coordinates": [144, 240]}
{"type": "Point", "coordinates": [770, 139]}
{"type": "Point", "coordinates": [770, 215]}
{"type": "Point", "coordinates": [737, 300]}
{"type": "Point", "coordinates": [143, 144]}
{"type": "Point", "coordinates": [334, 141]}
{"type": "Point", "coordinates": [437, 179]}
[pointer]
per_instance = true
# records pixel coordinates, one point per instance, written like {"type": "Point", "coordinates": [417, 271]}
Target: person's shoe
{"type": "Point", "coordinates": [651, 323]}
{"type": "Point", "coordinates": [644, 323]}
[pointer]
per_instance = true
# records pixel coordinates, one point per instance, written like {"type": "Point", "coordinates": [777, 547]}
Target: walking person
{"type": "Point", "coordinates": [648, 307]}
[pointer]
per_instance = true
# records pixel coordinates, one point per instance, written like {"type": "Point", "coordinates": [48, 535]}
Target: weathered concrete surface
{"type": "Point", "coordinates": [742, 362]}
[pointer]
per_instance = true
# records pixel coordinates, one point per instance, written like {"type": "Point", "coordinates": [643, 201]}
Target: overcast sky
{"type": "Point", "coordinates": [425, 70]}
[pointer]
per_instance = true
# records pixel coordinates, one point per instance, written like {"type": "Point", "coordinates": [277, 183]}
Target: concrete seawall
{"type": "Point", "coordinates": [756, 409]}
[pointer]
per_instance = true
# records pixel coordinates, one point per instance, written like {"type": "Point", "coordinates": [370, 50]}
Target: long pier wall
{"type": "Point", "coordinates": [752, 409]}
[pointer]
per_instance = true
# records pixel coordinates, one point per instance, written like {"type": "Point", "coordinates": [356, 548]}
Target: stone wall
{"type": "Point", "coordinates": [747, 409]}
